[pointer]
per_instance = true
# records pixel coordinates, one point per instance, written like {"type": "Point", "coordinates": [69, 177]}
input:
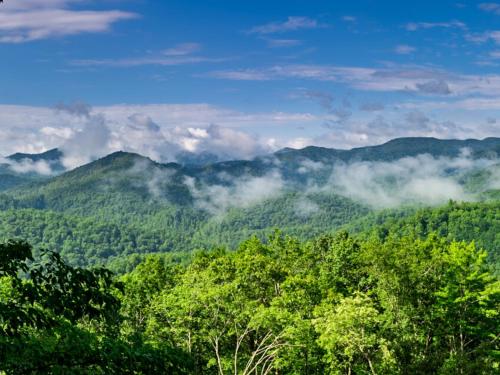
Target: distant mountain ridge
{"type": "Point", "coordinates": [398, 148]}
{"type": "Point", "coordinates": [50, 155]}
{"type": "Point", "coordinates": [134, 173]}
{"type": "Point", "coordinates": [393, 149]}
{"type": "Point", "coordinates": [208, 169]}
{"type": "Point", "coordinates": [126, 203]}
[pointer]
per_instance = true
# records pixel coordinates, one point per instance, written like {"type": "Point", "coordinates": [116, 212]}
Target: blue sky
{"type": "Point", "coordinates": [244, 77]}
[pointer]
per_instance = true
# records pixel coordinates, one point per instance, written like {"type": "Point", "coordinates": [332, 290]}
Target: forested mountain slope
{"type": "Point", "coordinates": [125, 204]}
{"type": "Point", "coordinates": [471, 222]}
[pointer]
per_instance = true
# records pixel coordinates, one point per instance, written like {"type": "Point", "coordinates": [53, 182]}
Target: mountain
{"type": "Point", "coordinates": [125, 204]}
{"type": "Point", "coordinates": [21, 169]}
{"type": "Point", "coordinates": [53, 155]}
{"type": "Point", "coordinates": [396, 149]}
{"type": "Point", "coordinates": [10, 179]}
{"type": "Point", "coordinates": [472, 221]}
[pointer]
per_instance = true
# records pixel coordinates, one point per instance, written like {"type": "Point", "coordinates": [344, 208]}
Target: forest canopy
{"type": "Point", "coordinates": [334, 305]}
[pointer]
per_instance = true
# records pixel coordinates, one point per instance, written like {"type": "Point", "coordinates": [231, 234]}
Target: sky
{"type": "Point", "coordinates": [243, 78]}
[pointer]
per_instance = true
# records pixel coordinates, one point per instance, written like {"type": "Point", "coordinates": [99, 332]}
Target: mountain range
{"type": "Point", "coordinates": [125, 204]}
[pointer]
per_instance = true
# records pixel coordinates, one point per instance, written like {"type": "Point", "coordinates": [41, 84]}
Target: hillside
{"type": "Point", "coordinates": [125, 204]}
{"type": "Point", "coordinates": [398, 148]}
{"type": "Point", "coordinates": [477, 222]}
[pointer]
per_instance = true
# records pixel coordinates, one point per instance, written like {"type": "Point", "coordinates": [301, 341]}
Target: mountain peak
{"type": "Point", "coordinates": [51, 155]}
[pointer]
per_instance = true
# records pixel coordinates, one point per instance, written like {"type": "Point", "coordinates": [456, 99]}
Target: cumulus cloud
{"type": "Point", "coordinates": [30, 20]}
{"type": "Point", "coordinates": [157, 131]}
{"type": "Point", "coordinates": [226, 142]}
{"type": "Point", "coordinates": [77, 108]}
{"type": "Point", "coordinates": [383, 127]}
{"type": "Point", "coordinates": [162, 131]}
{"type": "Point", "coordinates": [87, 143]}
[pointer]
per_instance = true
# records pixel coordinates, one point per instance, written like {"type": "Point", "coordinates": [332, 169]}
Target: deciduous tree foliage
{"type": "Point", "coordinates": [334, 305]}
{"type": "Point", "coordinates": [401, 304]}
{"type": "Point", "coordinates": [56, 319]}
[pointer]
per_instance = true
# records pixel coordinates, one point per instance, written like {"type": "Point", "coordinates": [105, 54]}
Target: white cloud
{"type": "Point", "coordinates": [404, 49]}
{"type": "Point", "coordinates": [300, 142]}
{"type": "Point", "coordinates": [182, 49]}
{"type": "Point", "coordinates": [158, 131]}
{"type": "Point", "coordinates": [493, 35]}
{"type": "Point", "coordinates": [87, 143]}
{"type": "Point", "coordinates": [490, 7]}
{"type": "Point", "coordinates": [202, 115]}
{"type": "Point", "coordinates": [411, 79]}
{"type": "Point", "coordinates": [469, 104]}
{"type": "Point", "coordinates": [421, 179]}
{"type": "Point", "coordinates": [77, 108]}
{"type": "Point", "coordinates": [243, 75]}
{"type": "Point", "coordinates": [161, 131]}
{"type": "Point", "coordinates": [307, 166]}
{"type": "Point", "coordinates": [25, 21]}
{"type": "Point", "coordinates": [241, 192]}
{"type": "Point", "coordinates": [305, 207]}
{"type": "Point", "coordinates": [291, 24]}
{"type": "Point", "coordinates": [180, 54]}
{"type": "Point", "coordinates": [349, 19]}
{"type": "Point", "coordinates": [41, 167]}
{"type": "Point", "coordinates": [414, 26]}
{"type": "Point", "coordinates": [282, 43]}
{"type": "Point", "coordinates": [147, 60]}
{"type": "Point", "coordinates": [394, 124]}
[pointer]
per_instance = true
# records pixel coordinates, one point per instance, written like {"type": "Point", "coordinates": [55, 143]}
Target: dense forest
{"type": "Point", "coordinates": [332, 305]}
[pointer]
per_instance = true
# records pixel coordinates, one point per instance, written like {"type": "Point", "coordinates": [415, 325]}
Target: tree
{"type": "Point", "coordinates": [351, 334]}
{"type": "Point", "coordinates": [55, 318]}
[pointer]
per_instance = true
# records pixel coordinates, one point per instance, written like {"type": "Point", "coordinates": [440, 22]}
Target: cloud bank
{"type": "Point", "coordinates": [27, 166]}
{"type": "Point", "coordinates": [240, 192]}
{"type": "Point", "coordinates": [414, 180]}
{"type": "Point", "coordinates": [162, 131]}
